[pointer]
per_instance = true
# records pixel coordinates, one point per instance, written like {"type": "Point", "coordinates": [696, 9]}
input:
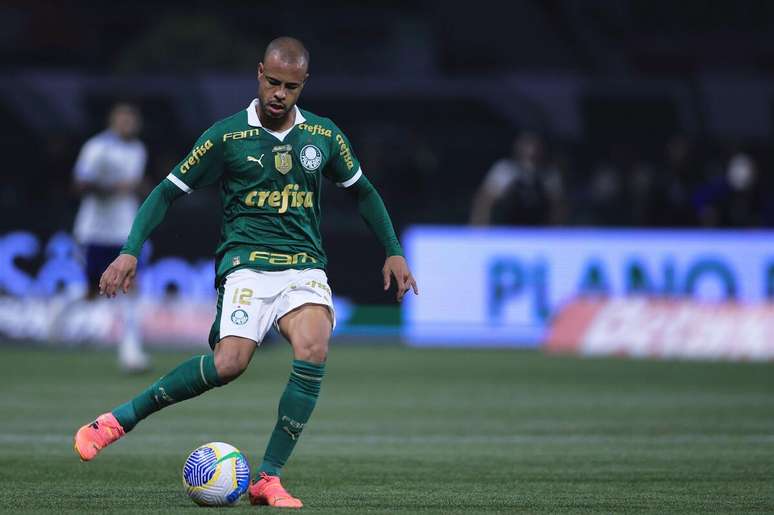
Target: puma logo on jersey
{"type": "Point", "coordinates": [254, 160]}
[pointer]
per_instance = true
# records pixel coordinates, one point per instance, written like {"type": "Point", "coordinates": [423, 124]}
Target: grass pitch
{"type": "Point", "coordinates": [399, 430]}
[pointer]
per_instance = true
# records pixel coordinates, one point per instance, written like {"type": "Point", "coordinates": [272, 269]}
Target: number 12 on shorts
{"type": "Point", "coordinates": [242, 296]}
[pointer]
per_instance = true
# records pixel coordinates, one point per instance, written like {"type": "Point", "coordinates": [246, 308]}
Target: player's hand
{"type": "Point", "coordinates": [396, 266]}
{"type": "Point", "coordinates": [119, 274]}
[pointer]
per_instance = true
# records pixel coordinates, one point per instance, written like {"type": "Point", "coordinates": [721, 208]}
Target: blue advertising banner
{"type": "Point", "coordinates": [500, 287]}
{"type": "Point", "coordinates": [43, 284]}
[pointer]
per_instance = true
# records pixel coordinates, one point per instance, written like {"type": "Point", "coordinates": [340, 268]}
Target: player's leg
{"type": "Point", "coordinates": [307, 323]}
{"type": "Point", "coordinates": [189, 379]}
{"type": "Point", "coordinates": [308, 329]}
{"type": "Point", "coordinates": [231, 356]}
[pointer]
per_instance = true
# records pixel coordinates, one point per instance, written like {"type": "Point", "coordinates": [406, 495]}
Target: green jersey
{"type": "Point", "coordinates": [269, 186]}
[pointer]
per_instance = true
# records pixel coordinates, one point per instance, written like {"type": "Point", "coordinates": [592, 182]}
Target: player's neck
{"type": "Point", "coordinates": [277, 124]}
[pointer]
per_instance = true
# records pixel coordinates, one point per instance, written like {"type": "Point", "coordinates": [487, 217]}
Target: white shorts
{"type": "Point", "coordinates": [251, 301]}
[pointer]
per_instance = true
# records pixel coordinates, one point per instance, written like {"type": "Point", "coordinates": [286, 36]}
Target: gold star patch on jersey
{"type": "Point", "coordinates": [283, 160]}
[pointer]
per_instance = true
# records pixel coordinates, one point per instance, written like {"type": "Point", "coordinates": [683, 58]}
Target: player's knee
{"type": "Point", "coordinates": [312, 349]}
{"type": "Point", "coordinates": [231, 361]}
{"type": "Point", "coordinates": [229, 367]}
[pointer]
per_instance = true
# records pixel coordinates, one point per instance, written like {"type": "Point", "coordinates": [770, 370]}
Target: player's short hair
{"type": "Point", "coordinates": [289, 50]}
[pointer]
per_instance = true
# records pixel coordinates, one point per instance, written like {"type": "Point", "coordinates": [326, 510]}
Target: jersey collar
{"type": "Point", "coordinates": [254, 120]}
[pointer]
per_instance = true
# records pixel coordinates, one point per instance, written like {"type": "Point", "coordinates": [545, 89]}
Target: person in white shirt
{"type": "Point", "coordinates": [108, 175]}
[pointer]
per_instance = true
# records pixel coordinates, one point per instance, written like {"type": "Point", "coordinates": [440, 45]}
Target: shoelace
{"type": "Point", "coordinates": [264, 475]}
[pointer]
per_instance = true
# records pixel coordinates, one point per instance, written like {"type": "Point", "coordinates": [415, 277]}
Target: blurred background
{"type": "Point", "coordinates": [568, 178]}
{"type": "Point", "coordinates": [561, 170]}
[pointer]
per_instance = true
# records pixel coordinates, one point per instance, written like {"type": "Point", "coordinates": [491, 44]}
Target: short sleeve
{"type": "Point", "coordinates": [203, 165]}
{"type": "Point", "coordinates": [343, 167]}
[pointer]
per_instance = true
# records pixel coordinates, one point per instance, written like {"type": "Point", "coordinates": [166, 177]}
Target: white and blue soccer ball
{"type": "Point", "coordinates": [216, 474]}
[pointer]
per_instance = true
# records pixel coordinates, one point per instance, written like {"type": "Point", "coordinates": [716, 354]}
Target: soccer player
{"type": "Point", "coordinates": [269, 160]}
{"type": "Point", "coordinates": [108, 175]}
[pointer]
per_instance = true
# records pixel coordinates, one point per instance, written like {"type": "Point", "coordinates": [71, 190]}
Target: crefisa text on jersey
{"type": "Point", "coordinates": [315, 129]}
{"type": "Point", "coordinates": [288, 197]}
{"type": "Point", "coordinates": [344, 151]}
{"type": "Point", "coordinates": [196, 154]}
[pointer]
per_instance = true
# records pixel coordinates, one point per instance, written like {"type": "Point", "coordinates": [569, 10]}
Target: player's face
{"type": "Point", "coordinates": [279, 86]}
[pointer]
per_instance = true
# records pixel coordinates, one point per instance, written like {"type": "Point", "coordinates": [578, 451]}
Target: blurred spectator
{"type": "Point", "coordinates": [603, 201]}
{"type": "Point", "coordinates": [674, 203]}
{"type": "Point", "coordinates": [732, 198]}
{"type": "Point", "coordinates": [108, 175]}
{"type": "Point", "coordinates": [521, 190]}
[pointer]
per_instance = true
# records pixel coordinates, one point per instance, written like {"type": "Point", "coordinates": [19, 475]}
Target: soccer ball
{"type": "Point", "coordinates": [216, 474]}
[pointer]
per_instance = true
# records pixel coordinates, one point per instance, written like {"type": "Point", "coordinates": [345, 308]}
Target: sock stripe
{"type": "Point", "coordinates": [308, 378]}
{"type": "Point", "coordinates": [201, 371]}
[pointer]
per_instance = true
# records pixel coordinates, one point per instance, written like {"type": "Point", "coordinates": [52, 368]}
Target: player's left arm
{"type": "Point", "coordinates": [344, 169]}
{"type": "Point", "coordinates": [373, 211]}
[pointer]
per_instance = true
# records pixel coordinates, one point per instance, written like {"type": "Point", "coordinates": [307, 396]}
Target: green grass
{"type": "Point", "coordinates": [402, 431]}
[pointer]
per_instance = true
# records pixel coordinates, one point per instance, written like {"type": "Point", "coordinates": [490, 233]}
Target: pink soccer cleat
{"type": "Point", "coordinates": [268, 490]}
{"type": "Point", "coordinates": [93, 437]}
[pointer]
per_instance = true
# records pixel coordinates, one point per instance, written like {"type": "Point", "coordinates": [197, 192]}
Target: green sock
{"type": "Point", "coordinates": [295, 408]}
{"type": "Point", "coordinates": [191, 378]}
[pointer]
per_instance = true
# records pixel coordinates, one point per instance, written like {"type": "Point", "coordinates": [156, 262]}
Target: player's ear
{"type": "Point", "coordinates": [260, 69]}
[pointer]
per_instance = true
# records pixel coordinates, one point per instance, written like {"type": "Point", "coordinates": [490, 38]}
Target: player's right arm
{"type": "Point", "coordinates": [344, 169]}
{"type": "Point", "coordinates": [201, 167]}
